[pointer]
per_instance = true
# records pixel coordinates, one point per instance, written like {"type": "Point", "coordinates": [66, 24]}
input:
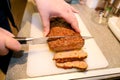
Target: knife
{"type": "Point", "coordinates": [42, 40]}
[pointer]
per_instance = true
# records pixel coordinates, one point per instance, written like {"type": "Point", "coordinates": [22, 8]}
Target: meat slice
{"type": "Point", "coordinates": [68, 50]}
{"type": "Point", "coordinates": [68, 56]}
{"type": "Point", "coordinates": [81, 65]}
{"type": "Point", "coordinates": [58, 27]}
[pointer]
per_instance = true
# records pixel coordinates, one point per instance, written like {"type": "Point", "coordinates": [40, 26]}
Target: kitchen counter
{"type": "Point", "coordinates": [104, 38]}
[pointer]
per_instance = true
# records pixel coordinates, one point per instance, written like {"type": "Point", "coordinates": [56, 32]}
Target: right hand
{"type": "Point", "coordinates": [7, 42]}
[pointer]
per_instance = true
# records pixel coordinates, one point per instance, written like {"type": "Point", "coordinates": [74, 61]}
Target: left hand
{"type": "Point", "coordinates": [56, 8]}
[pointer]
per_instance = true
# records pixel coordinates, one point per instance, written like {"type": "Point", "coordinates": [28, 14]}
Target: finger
{"type": "Point", "coordinates": [8, 43]}
{"type": "Point", "coordinates": [46, 24]}
{"type": "Point", "coordinates": [72, 8]}
{"type": "Point", "coordinates": [12, 44]}
{"type": "Point", "coordinates": [71, 19]}
{"type": "Point", "coordinates": [6, 32]}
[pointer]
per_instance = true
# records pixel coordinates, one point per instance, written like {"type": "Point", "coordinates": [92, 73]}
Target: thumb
{"type": "Point", "coordinates": [46, 25]}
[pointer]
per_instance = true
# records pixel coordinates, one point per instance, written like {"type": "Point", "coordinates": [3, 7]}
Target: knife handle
{"type": "Point", "coordinates": [22, 40]}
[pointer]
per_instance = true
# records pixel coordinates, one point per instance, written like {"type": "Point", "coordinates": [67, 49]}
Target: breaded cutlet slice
{"type": "Point", "coordinates": [81, 65]}
{"type": "Point", "coordinates": [68, 56]}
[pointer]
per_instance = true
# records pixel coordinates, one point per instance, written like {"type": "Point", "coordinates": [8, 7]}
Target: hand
{"type": "Point", "coordinates": [56, 8]}
{"type": "Point", "coordinates": [7, 42]}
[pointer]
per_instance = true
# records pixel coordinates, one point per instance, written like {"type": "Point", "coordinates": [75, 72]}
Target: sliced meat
{"type": "Point", "coordinates": [82, 65]}
{"type": "Point", "coordinates": [69, 56]}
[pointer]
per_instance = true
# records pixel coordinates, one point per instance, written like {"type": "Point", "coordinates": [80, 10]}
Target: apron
{"type": "Point", "coordinates": [6, 14]}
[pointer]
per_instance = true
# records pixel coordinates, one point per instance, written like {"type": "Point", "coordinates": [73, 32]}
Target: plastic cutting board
{"type": "Point", "coordinates": [40, 58]}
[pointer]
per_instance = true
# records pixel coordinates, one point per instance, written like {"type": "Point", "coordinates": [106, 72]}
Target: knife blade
{"type": "Point", "coordinates": [42, 40]}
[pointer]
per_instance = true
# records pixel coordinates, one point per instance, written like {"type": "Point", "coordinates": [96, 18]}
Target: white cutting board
{"type": "Point", "coordinates": [40, 61]}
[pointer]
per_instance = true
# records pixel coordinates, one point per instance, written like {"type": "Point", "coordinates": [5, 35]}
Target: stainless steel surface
{"type": "Point", "coordinates": [42, 40]}
{"type": "Point", "coordinates": [104, 38]}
